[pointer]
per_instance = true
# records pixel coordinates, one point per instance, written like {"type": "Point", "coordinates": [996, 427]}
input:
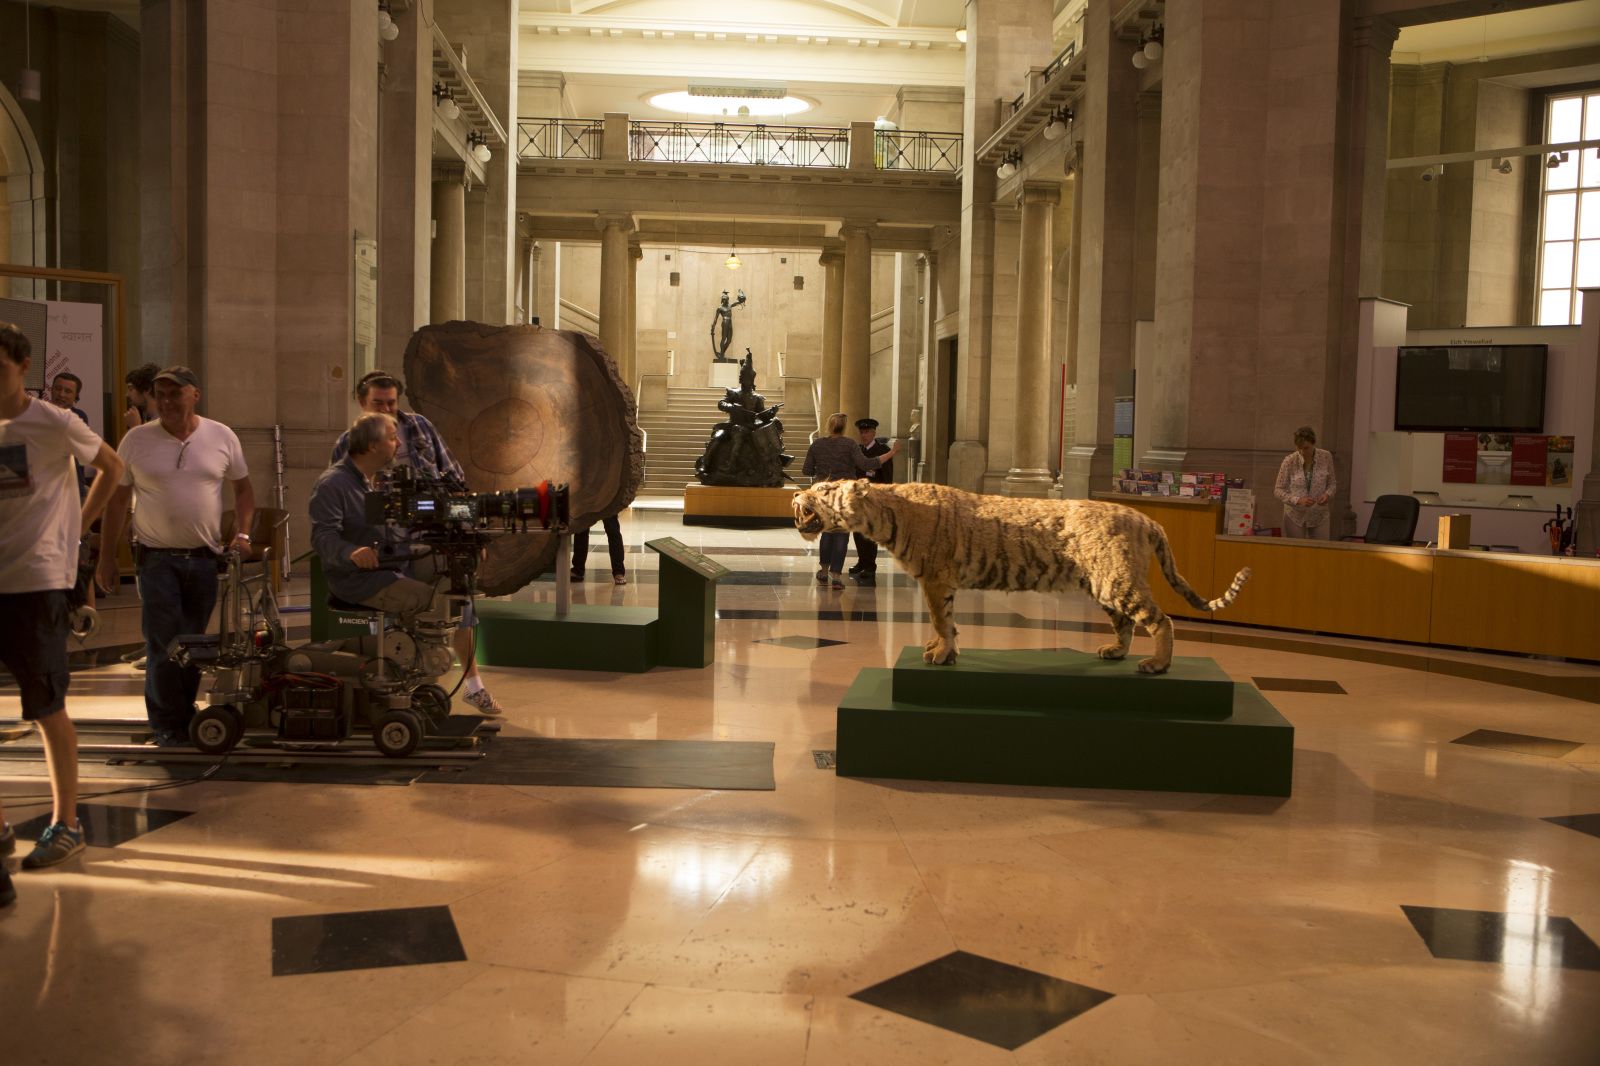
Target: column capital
{"type": "Point", "coordinates": [857, 227]}
{"type": "Point", "coordinates": [605, 220]}
{"type": "Point", "coordinates": [1375, 32]}
{"type": "Point", "coordinates": [1039, 192]}
{"type": "Point", "coordinates": [450, 172]}
{"type": "Point", "coordinates": [635, 249]}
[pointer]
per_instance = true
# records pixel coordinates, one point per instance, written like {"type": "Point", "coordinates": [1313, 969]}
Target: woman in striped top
{"type": "Point", "coordinates": [837, 458]}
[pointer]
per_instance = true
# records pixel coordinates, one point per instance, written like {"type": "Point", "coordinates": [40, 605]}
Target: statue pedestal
{"type": "Point", "coordinates": [725, 376]}
{"type": "Point", "coordinates": [738, 507]}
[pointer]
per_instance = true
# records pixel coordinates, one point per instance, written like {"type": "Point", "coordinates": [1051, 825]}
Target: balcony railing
{"type": "Point", "coordinates": [559, 138]}
{"type": "Point", "coordinates": [926, 153]}
{"type": "Point", "coordinates": [752, 145]}
{"type": "Point", "coordinates": [738, 144]}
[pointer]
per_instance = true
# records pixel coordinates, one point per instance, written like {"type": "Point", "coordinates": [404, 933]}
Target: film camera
{"type": "Point", "coordinates": [319, 693]}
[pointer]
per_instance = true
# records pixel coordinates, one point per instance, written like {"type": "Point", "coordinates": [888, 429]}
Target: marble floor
{"type": "Point", "coordinates": [1430, 893]}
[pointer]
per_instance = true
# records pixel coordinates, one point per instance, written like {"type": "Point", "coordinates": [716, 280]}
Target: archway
{"type": "Point", "coordinates": [23, 229]}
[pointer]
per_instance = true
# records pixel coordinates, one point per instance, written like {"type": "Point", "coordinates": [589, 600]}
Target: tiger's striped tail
{"type": "Point", "coordinates": [1169, 569]}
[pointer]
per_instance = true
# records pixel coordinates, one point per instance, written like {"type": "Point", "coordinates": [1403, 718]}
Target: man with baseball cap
{"type": "Point", "coordinates": [873, 446]}
{"type": "Point", "coordinates": [173, 470]}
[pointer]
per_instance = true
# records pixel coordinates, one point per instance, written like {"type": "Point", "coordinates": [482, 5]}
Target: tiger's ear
{"type": "Point", "coordinates": [858, 488]}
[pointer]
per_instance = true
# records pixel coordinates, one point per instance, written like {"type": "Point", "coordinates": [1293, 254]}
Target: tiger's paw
{"type": "Point", "coordinates": [1153, 666]}
{"type": "Point", "coordinates": [939, 653]}
{"type": "Point", "coordinates": [1112, 651]}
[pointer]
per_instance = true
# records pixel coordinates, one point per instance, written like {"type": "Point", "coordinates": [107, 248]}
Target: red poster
{"type": "Point", "coordinates": [1528, 460]}
{"type": "Point", "coordinates": [1461, 457]}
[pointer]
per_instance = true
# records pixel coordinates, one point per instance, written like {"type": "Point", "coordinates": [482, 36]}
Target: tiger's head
{"type": "Point", "coordinates": [830, 507]}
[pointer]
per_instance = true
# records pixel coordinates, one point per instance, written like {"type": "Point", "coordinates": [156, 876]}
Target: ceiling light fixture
{"type": "Point", "coordinates": [733, 262]}
{"type": "Point", "coordinates": [479, 145]}
{"type": "Point", "coordinates": [29, 82]}
{"type": "Point", "coordinates": [693, 103]}
{"type": "Point", "coordinates": [961, 35]}
{"type": "Point", "coordinates": [386, 27]}
{"type": "Point", "coordinates": [449, 110]}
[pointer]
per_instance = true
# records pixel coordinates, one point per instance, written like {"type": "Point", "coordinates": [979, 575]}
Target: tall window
{"type": "Point", "coordinates": [1569, 248]}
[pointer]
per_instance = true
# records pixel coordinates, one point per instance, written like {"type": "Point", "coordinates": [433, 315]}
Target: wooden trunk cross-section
{"type": "Point", "coordinates": [518, 405]}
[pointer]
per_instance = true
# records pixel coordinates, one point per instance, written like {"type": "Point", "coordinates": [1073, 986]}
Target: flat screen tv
{"type": "Point", "coordinates": [1479, 387]}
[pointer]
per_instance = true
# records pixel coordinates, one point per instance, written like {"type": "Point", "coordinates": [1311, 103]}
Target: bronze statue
{"type": "Point", "coordinates": [747, 449]}
{"type": "Point", "coordinates": [723, 319]}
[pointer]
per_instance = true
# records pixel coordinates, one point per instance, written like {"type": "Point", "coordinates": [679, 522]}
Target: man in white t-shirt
{"type": "Point", "coordinates": [41, 520]}
{"type": "Point", "coordinates": [174, 469]}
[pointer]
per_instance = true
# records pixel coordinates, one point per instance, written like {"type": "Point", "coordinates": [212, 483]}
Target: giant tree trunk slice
{"type": "Point", "coordinates": [518, 405]}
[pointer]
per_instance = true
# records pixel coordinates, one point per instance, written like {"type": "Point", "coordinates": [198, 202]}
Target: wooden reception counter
{"type": "Point", "coordinates": [1497, 601]}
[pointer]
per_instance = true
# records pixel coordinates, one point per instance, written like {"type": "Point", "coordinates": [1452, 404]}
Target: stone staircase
{"type": "Point", "coordinates": [677, 437]}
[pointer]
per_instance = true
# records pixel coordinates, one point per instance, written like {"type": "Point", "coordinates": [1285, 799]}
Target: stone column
{"type": "Point", "coordinates": [832, 260]}
{"type": "Point", "coordinates": [405, 138]}
{"type": "Point", "coordinates": [1030, 451]}
{"type": "Point", "coordinates": [1107, 117]}
{"type": "Point", "coordinates": [616, 262]}
{"type": "Point", "coordinates": [855, 331]}
{"type": "Point", "coordinates": [1587, 510]}
{"type": "Point", "coordinates": [630, 339]}
{"type": "Point", "coordinates": [1005, 39]}
{"type": "Point", "coordinates": [448, 287]}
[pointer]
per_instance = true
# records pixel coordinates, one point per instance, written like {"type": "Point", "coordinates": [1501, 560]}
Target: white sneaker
{"type": "Point", "coordinates": [485, 704]}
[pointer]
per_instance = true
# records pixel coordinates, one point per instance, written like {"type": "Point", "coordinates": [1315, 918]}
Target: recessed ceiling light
{"type": "Point", "coordinates": [729, 106]}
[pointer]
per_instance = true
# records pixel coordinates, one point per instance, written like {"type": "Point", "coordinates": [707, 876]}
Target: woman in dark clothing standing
{"type": "Point", "coordinates": [837, 458]}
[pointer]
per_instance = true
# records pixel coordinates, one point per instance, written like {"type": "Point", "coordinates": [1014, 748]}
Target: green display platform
{"type": "Point", "coordinates": [992, 722]}
{"type": "Point", "coordinates": [1192, 688]}
{"type": "Point", "coordinates": [590, 637]}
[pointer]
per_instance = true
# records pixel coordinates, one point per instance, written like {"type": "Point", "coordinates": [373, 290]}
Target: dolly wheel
{"type": "Point", "coordinates": [432, 700]}
{"type": "Point", "coordinates": [397, 733]}
{"type": "Point", "coordinates": [216, 730]}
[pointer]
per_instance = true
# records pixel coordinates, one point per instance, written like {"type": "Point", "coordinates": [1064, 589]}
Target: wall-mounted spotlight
{"type": "Point", "coordinates": [479, 145]}
{"type": "Point", "coordinates": [1501, 165]}
{"type": "Point", "coordinates": [387, 30]}
{"type": "Point", "coordinates": [1555, 160]}
{"type": "Point", "coordinates": [1435, 171]}
{"type": "Point", "coordinates": [1008, 166]}
{"type": "Point", "coordinates": [1056, 128]}
{"type": "Point", "coordinates": [449, 110]}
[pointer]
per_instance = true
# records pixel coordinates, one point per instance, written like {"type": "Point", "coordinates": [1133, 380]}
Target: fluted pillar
{"type": "Point", "coordinates": [630, 339]}
{"type": "Point", "coordinates": [832, 260]}
{"type": "Point", "coordinates": [448, 287]}
{"type": "Point", "coordinates": [855, 332]}
{"type": "Point", "coordinates": [616, 263]}
{"type": "Point", "coordinates": [1030, 451]}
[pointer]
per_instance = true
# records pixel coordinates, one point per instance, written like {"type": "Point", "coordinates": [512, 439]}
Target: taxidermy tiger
{"type": "Point", "coordinates": [949, 539]}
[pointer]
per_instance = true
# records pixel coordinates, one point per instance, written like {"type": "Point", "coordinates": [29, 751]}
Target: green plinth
{"type": "Point", "coordinates": [1126, 742]}
{"type": "Point", "coordinates": [687, 635]}
{"type": "Point", "coordinates": [590, 637]}
{"type": "Point", "coordinates": [1062, 679]}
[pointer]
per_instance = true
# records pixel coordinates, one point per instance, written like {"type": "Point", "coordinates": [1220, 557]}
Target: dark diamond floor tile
{"type": "Point", "coordinates": [1000, 1004]}
{"type": "Point", "coordinates": [801, 643]}
{"type": "Point", "coordinates": [108, 825]}
{"type": "Point", "coordinates": [364, 940]}
{"type": "Point", "coordinates": [1521, 743]}
{"type": "Point", "coordinates": [1508, 939]}
{"type": "Point", "coordinates": [826, 760]}
{"type": "Point", "coordinates": [1298, 684]}
{"type": "Point", "coordinates": [1583, 823]}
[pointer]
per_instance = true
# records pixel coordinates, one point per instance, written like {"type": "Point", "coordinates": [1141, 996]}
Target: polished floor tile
{"type": "Point", "coordinates": [364, 940]}
{"type": "Point", "coordinates": [1297, 684]}
{"type": "Point", "coordinates": [618, 764]}
{"type": "Point", "coordinates": [107, 826]}
{"type": "Point", "coordinates": [1583, 823]}
{"type": "Point", "coordinates": [1521, 743]}
{"type": "Point", "coordinates": [801, 643]}
{"type": "Point", "coordinates": [1000, 1004]}
{"type": "Point", "coordinates": [1507, 939]}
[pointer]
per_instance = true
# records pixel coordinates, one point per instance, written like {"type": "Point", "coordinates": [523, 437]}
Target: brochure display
{"type": "Point", "coordinates": [1064, 718]}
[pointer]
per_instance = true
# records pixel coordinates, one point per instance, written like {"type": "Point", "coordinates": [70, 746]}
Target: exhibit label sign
{"type": "Point", "coordinates": [675, 549]}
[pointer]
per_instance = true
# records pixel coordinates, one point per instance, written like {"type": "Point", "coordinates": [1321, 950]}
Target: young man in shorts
{"type": "Point", "coordinates": [41, 521]}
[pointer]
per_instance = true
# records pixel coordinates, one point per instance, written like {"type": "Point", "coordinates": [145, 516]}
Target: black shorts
{"type": "Point", "coordinates": [33, 646]}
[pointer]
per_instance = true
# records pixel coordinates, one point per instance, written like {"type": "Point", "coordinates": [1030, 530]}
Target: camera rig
{"type": "Point", "coordinates": [318, 693]}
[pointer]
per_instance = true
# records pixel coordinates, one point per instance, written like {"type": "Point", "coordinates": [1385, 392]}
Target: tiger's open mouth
{"type": "Point", "coordinates": [807, 521]}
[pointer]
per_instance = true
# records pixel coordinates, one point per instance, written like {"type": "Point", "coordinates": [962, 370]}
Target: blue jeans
{"type": "Point", "coordinates": [177, 595]}
{"type": "Point", "coordinates": [832, 551]}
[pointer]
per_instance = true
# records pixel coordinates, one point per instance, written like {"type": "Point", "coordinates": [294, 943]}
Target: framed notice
{"type": "Point", "coordinates": [1460, 458]}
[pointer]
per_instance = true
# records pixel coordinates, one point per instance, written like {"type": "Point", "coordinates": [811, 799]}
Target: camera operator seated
{"type": "Point", "coordinates": [362, 562]}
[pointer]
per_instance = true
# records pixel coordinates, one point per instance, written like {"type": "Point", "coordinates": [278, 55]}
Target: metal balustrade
{"type": "Point", "coordinates": [757, 145]}
{"type": "Point", "coordinates": [559, 138]}
{"type": "Point", "coordinates": [927, 153]}
{"type": "Point", "coordinates": [739, 144]}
